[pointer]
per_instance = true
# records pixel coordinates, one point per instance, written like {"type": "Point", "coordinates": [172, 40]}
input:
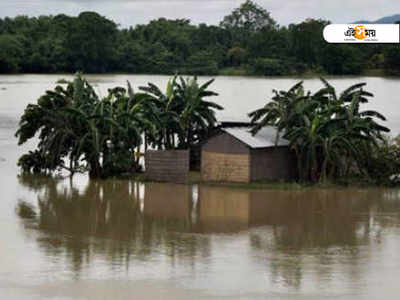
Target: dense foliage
{"type": "Point", "coordinates": [247, 39]}
{"type": "Point", "coordinates": [184, 116]}
{"type": "Point", "coordinates": [78, 131]}
{"type": "Point", "coordinates": [330, 134]}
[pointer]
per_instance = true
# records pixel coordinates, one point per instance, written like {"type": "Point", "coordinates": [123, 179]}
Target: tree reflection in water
{"type": "Point", "coordinates": [289, 232]}
{"type": "Point", "coordinates": [321, 228]}
{"type": "Point", "coordinates": [115, 218]}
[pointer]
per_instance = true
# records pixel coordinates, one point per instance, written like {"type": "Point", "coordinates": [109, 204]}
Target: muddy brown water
{"type": "Point", "coordinates": [69, 239]}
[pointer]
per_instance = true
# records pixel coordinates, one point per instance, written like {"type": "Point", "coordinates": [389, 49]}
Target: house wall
{"type": "Point", "coordinates": [274, 163]}
{"type": "Point", "coordinates": [167, 166]}
{"type": "Point", "coordinates": [224, 158]}
{"type": "Point", "coordinates": [225, 167]}
{"type": "Point", "coordinates": [225, 143]}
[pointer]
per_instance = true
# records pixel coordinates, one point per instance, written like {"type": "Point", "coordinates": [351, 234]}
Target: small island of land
{"type": "Point", "coordinates": [332, 139]}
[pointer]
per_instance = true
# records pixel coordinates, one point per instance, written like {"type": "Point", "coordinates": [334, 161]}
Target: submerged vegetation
{"type": "Point", "coordinates": [247, 42]}
{"type": "Point", "coordinates": [334, 140]}
{"type": "Point", "coordinates": [332, 137]}
{"type": "Point", "coordinates": [78, 131]}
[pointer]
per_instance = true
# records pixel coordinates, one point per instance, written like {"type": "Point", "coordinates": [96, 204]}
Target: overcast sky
{"type": "Point", "coordinates": [132, 12]}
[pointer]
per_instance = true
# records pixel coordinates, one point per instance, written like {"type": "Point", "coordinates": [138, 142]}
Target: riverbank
{"type": "Point", "coordinates": [311, 73]}
{"type": "Point", "coordinates": [229, 72]}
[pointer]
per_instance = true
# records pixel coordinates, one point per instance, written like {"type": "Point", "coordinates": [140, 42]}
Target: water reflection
{"type": "Point", "coordinates": [288, 233]}
{"type": "Point", "coordinates": [126, 220]}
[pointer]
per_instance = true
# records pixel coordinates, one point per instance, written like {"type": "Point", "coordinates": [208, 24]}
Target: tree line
{"type": "Point", "coordinates": [247, 41]}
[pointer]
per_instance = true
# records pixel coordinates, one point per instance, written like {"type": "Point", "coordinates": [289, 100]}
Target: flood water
{"type": "Point", "coordinates": [66, 239]}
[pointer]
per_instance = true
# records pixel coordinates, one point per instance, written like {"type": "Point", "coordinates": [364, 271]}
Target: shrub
{"type": "Point", "coordinates": [202, 63]}
{"type": "Point", "coordinates": [384, 164]}
{"type": "Point", "coordinates": [270, 67]}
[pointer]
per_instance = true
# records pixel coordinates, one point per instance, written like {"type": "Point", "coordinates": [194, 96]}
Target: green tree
{"type": "Point", "coordinates": [90, 43]}
{"type": "Point", "coordinates": [10, 53]}
{"type": "Point", "coordinates": [342, 59]}
{"type": "Point", "coordinates": [307, 40]}
{"type": "Point", "coordinates": [74, 125]}
{"type": "Point", "coordinates": [132, 56]}
{"type": "Point", "coordinates": [184, 116]}
{"type": "Point", "coordinates": [197, 115]}
{"type": "Point", "coordinates": [328, 133]}
{"type": "Point", "coordinates": [250, 17]}
{"type": "Point", "coordinates": [270, 42]}
{"type": "Point", "coordinates": [247, 20]}
{"type": "Point", "coordinates": [237, 56]}
{"type": "Point", "coordinates": [270, 67]}
{"type": "Point", "coordinates": [202, 63]}
{"type": "Point", "coordinates": [392, 60]}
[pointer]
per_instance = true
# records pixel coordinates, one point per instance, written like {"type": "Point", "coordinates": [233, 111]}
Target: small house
{"type": "Point", "coordinates": [235, 155]}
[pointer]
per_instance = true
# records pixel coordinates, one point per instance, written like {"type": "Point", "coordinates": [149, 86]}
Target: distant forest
{"type": "Point", "coordinates": [246, 42]}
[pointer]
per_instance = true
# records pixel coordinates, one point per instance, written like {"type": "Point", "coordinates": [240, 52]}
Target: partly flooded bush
{"type": "Point", "coordinates": [384, 165]}
{"type": "Point", "coordinates": [331, 135]}
{"type": "Point", "coordinates": [79, 131]}
{"type": "Point", "coordinates": [277, 67]}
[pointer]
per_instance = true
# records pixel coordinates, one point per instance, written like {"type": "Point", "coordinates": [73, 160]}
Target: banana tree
{"type": "Point", "coordinates": [95, 134]}
{"type": "Point", "coordinates": [183, 115]}
{"type": "Point", "coordinates": [165, 110]}
{"type": "Point", "coordinates": [328, 132]}
{"type": "Point", "coordinates": [197, 116]}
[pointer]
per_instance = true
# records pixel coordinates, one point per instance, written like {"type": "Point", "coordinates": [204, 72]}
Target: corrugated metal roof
{"type": "Point", "coordinates": [266, 137]}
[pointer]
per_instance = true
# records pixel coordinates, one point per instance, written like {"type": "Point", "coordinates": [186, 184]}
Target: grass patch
{"type": "Point", "coordinates": [343, 183]}
{"type": "Point", "coordinates": [291, 186]}
{"type": "Point", "coordinates": [195, 178]}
